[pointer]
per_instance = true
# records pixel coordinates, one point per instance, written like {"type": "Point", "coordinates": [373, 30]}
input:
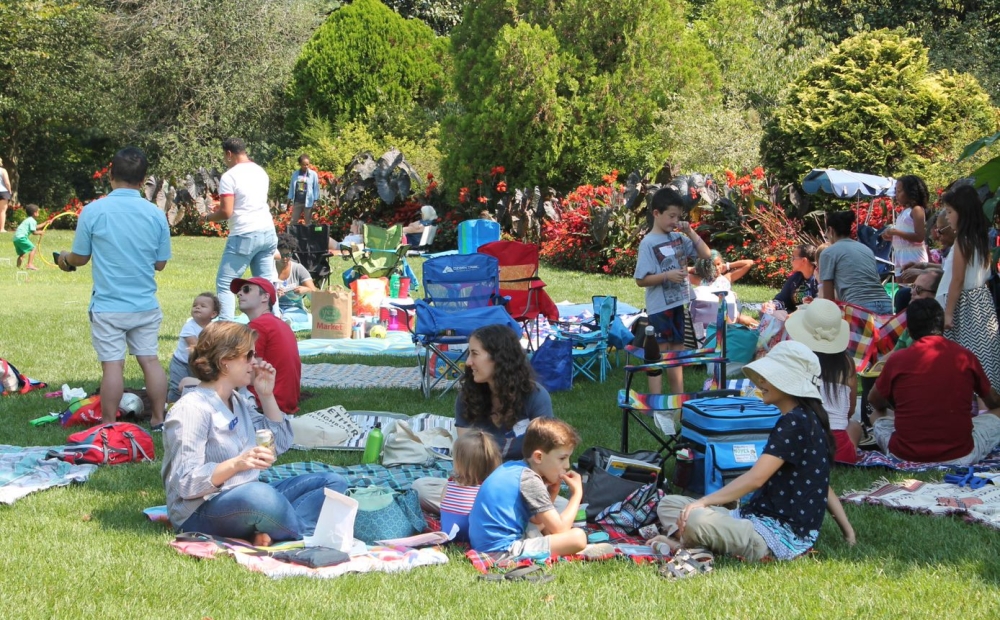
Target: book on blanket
{"type": "Point", "coordinates": [621, 465]}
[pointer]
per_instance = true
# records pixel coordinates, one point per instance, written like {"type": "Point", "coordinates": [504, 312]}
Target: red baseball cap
{"type": "Point", "coordinates": [272, 295]}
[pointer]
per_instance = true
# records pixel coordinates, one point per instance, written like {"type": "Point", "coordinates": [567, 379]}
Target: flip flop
{"type": "Point", "coordinates": [528, 573]}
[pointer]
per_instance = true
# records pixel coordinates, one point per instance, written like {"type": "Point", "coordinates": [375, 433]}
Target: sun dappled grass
{"type": "Point", "coordinates": [75, 551]}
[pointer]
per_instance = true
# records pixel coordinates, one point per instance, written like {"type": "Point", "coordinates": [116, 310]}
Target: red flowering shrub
{"type": "Point", "coordinates": [568, 242]}
{"type": "Point", "coordinates": [595, 232]}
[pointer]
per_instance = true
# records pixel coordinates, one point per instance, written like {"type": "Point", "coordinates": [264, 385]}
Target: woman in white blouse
{"type": "Point", "coordinates": [212, 460]}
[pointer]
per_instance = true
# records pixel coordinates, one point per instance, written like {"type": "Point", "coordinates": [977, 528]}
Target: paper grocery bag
{"type": "Point", "coordinates": [331, 312]}
{"type": "Point", "coordinates": [335, 526]}
{"type": "Point", "coordinates": [326, 428]}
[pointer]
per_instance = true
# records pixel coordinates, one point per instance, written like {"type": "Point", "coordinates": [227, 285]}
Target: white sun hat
{"type": "Point", "coordinates": [820, 326]}
{"type": "Point", "coordinates": [428, 212]}
{"type": "Point", "coordinates": [790, 367]}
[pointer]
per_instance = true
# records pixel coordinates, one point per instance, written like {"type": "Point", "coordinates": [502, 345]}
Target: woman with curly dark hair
{"type": "Point", "coordinates": [499, 394]}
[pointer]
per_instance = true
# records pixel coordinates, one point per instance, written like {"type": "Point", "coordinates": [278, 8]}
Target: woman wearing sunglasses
{"type": "Point", "coordinates": [212, 458]}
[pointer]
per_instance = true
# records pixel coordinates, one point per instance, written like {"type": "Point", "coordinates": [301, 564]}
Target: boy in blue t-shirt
{"type": "Point", "coordinates": [661, 269]}
{"type": "Point", "coordinates": [22, 238]}
{"type": "Point", "coordinates": [519, 492]}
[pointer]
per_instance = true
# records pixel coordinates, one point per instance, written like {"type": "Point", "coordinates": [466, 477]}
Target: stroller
{"type": "Point", "coordinates": [313, 251]}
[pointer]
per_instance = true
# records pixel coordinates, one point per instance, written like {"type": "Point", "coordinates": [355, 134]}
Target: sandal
{"type": "Point", "coordinates": [688, 563]}
{"type": "Point", "coordinates": [156, 428]}
{"type": "Point", "coordinates": [522, 573]}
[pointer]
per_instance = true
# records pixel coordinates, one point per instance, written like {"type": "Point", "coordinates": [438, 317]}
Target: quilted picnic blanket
{"type": "Point", "coordinates": [398, 477]}
{"type": "Point", "coordinates": [258, 559]}
{"type": "Point", "coordinates": [26, 470]}
{"type": "Point", "coordinates": [361, 376]}
{"type": "Point", "coordinates": [934, 498]}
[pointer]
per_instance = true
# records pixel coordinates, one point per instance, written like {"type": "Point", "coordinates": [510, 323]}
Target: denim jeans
{"type": "Point", "coordinates": [287, 510]}
{"type": "Point", "coordinates": [254, 250]}
{"type": "Point", "coordinates": [880, 307]}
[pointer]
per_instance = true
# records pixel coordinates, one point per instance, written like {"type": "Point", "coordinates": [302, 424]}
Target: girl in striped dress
{"type": "Point", "coordinates": [969, 315]}
{"type": "Point", "coordinates": [476, 455]}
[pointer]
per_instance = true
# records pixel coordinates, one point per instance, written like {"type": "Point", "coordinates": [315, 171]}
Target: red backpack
{"type": "Point", "coordinates": [108, 444]}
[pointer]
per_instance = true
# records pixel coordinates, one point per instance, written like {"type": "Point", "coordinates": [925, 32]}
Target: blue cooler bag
{"type": "Point", "coordinates": [727, 435]}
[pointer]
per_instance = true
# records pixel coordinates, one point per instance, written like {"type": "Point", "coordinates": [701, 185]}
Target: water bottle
{"type": "Point", "coordinates": [373, 446]}
{"type": "Point", "coordinates": [651, 351]}
{"type": "Point", "coordinates": [394, 286]}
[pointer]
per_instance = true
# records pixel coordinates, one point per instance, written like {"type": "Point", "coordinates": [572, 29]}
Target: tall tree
{"type": "Point", "coordinates": [190, 73]}
{"type": "Point", "coordinates": [50, 108]}
{"type": "Point", "coordinates": [560, 92]}
{"type": "Point", "coordinates": [962, 35]}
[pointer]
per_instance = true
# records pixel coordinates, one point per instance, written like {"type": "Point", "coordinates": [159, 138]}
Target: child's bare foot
{"type": "Point", "coordinates": [260, 539]}
{"type": "Point", "coordinates": [31, 268]}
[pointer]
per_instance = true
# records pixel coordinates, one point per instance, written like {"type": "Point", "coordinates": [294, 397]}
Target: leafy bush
{"type": "Point", "coordinates": [364, 59]}
{"type": "Point", "coordinates": [872, 105]}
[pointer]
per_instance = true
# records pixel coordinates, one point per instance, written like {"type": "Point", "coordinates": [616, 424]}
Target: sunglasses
{"type": "Point", "coordinates": [248, 288]}
{"type": "Point", "coordinates": [919, 290]}
{"type": "Point", "coordinates": [942, 229]}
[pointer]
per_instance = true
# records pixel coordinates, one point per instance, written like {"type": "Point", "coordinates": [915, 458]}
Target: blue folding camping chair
{"type": "Point", "coordinates": [461, 294]}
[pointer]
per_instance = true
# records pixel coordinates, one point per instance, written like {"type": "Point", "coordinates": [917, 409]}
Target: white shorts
{"type": "Point", "coordinates": [532, 546]}
{"type": "Point", "coordinates": [985, 437]}
{"type": "Point", "coordinates": [111, 331]}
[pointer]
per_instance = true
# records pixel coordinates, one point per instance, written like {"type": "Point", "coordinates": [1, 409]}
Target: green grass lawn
{"type": "Point", "coordinates": [75, 551]}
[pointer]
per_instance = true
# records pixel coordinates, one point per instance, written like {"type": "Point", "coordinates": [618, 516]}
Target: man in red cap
{"type": "Point", "coordinates": [276, 342]}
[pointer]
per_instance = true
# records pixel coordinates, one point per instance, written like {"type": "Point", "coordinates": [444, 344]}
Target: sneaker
{"type": "Point", "coordinates": [867, 441]}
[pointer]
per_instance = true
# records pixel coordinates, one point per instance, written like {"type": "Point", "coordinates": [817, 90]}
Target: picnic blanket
{"type": "Point", "coordinates": [872, 335]}
{"type": "Point", "coordinates": [345, 376]}
{"type": "Point", "coordinates": [398, 477]}
{"type": "Point", "coordinates": [257, 559]}
{"type": "Point", "coordinates": [298, 320]}
{"type": "Point", "coordinates": [934, 498]}
{"type": "Point", "coordinates": [629, 547]}
{"type": "Point", "coordinates": [26, 470]}
{"type": "Point", "coordinates": [395, 343]}
{"type": "Point", "coordinates": [874, 458]}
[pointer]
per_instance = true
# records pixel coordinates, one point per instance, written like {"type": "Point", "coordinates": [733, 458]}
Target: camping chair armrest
{"type": "Point", "coordinates": [588, 326]}
{"type": "Point", "coordinates": [675, 363]}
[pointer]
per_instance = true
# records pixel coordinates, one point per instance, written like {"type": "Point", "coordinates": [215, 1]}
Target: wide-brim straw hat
{"type": "Point", "coordinates": [820, 326]}
{"type": "Point", "coordinates": [790, 367]}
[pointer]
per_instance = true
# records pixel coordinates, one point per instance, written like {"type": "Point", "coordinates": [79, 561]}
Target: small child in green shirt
{"type": "Point", "coordinates": [22, 240]}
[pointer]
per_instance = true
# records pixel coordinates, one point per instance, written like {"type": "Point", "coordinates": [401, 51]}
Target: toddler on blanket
{"type": "Point", "coordinates": [476, 455]}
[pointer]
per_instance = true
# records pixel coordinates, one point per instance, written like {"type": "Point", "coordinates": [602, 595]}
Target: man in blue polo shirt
{"type": "Point", "coordinates": [128, 239]}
